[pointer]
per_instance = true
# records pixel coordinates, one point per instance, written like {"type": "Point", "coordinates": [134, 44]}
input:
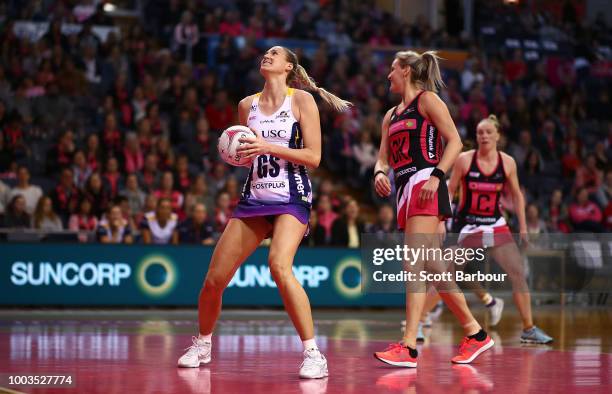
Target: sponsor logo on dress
{"type": "Point", "coordinates": [268, 185]}
{"type": "Point", "coordinates": [282, 114]}
{"type": "Point", "coordinates": [274, 133]}
{"type": "Point", "coordinates": [408, 124]}
{"type": "Point", "coordinates": [406, 171]}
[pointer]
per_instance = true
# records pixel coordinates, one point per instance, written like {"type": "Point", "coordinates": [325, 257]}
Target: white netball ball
{"type": "Point", "coordinates": [229, 143]}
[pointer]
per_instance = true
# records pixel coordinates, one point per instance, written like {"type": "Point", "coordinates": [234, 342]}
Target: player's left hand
{"type": "Point", "coordinates": [253, 146]}
{"type": "Point", "coordinates": [429, 190]}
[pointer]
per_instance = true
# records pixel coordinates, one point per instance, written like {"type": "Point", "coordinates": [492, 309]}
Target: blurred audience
{"type": "Point", "coordinates": [130, 121]}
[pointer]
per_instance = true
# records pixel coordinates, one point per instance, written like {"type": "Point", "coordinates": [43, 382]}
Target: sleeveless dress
{"type": "Point", "coordinates": [276, 186]}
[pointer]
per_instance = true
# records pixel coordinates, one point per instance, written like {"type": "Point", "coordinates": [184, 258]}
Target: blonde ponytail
{"type": "Point", "coordinates": [300, 78]}
{"type": "Point", "coordinates": [432, 78]}
{"type": "Point", "coordinates": [425, 68]}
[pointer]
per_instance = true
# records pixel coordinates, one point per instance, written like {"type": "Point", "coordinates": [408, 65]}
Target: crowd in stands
{"type": "Point", "coordinates": [117, 137]}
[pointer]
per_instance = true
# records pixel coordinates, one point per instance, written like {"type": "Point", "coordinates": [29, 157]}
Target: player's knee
{"type": "Point", "coordinates": [280, 271]}
{"type": "Point", "coordinates": [213, 286]}
{"type": "Point", "coordinates": [517, 278]}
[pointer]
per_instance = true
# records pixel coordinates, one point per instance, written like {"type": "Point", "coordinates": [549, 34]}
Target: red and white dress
{"type": "Point", "coordinates": [479, 219]}
{"type": "Point", "coordinates": [415, 148]}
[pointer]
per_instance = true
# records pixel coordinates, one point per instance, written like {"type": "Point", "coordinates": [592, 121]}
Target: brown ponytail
{"type": "Point", "coordinates": [298, 77]}
{"type": "Point", "coordinates": [425, 68]}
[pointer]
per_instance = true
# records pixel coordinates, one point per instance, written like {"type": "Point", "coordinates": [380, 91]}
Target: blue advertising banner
{"type": "Point", "coordinates": [125, 275]}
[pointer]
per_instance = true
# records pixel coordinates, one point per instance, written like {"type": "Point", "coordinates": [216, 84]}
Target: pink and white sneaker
{"type": "Point", "coordinates": [398, 355]}
{"type": "Point", "coordinates": [470, 348]}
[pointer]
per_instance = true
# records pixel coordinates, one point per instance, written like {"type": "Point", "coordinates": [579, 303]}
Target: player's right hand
{"type": "Point", "coordinates": [382, 185]}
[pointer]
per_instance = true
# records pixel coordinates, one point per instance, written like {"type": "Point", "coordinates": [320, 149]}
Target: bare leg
{"type": "Point", "coordinates": [510, 259]}
{"type": "Point", "coordinates": [415, 300]}
{"type": "Point", "coordinates": [240, 238]}
{"type": "Point", "coordinates": [454, 299]}
{"type": "Point", "coordinates": [288, 233]}
{"type": "Point", "coordinates": [431, 300]}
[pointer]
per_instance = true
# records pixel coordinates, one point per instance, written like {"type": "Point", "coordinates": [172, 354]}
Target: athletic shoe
{"type": "Point", "coordinates": [398, 355]}
{"type": "Point", "coordinates": [420, 335]}
{"type": "Point", "coordinates": [470, 348]}
{"type": "Point", "coordinates": [535, 335]}
{"type": "Point", "coordinates": [495, 312]}
{"type": "Point", "coordinates": [314, 365]}
{"type": "Point", "coordinates": [398, 380]}
{"type": "Point", "coordinates": [198, 353]}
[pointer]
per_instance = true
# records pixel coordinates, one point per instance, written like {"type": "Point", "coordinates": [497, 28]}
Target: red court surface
{"type": "Point", "coordinates": [252, 354]}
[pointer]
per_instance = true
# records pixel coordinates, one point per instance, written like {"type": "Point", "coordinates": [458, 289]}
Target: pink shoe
{"type": "Point", "coordinates": [471, 348]}
{"type": "Point", "coordinates": [398, 355]}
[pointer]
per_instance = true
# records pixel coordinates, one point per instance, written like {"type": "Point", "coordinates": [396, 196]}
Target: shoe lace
{"type": "Point", "coordinates": [464, 344]}
{"type": "Point", "coordinates": [310, 358]}
{"type": "Point", "coordinates": [396, 347]}
{"type": "Point", "coordinates": [539, 333]}
{"type": "Point", "coordinates": [195, 347]}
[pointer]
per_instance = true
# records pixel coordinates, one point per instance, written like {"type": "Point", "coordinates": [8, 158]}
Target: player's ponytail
{"type": "Point", "coordinates": [299, 77]}
{"type": "Point", "coordinates": [425, 69]}
{"type": "Point", "coordinates": [432, 78]}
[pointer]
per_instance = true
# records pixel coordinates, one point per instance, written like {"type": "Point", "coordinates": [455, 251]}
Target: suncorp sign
{"type": "Point", "coordinates": [69, 273]}
{"type": "Point", "coordinates": [155, 274]}
{"type": "Point", "coordinates": [259, 276]}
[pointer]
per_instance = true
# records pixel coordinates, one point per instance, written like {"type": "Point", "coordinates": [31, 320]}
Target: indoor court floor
{"type": "Point", "coordinates": [257, 351]}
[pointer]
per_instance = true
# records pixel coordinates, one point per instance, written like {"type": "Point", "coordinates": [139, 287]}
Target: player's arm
{"type": "Point", "coordinates": [244, 107]}
{"type": "Point", "coordinates": [436, 111]}
{"type": "Point", "coordinates": [515, 190]}
{"type": "Point", "coordinates": [381, 168]}
{"type": "Point", "coordinates": [459, 170]}
{"type": "Point", "coordinates": [310, 126]}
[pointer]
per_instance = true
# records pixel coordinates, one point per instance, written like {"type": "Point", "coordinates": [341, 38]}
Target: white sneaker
{"type": "Point", "coordinates": [495, 312]}
{"type": "Point", "coordinates": [314, 365]}
{"type": "Point", "coordinates": [197, 354]}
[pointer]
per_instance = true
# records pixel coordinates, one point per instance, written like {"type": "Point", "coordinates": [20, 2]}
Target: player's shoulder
{"type": "Point", "coordinates": [507, 159]}
{"type": "Point", "coordinates": [302, 96]}
{"type": "Point", "coordinates": [388, 114]}
{"type": "Point", "coordinates": [466, 155]}
{"type": "Point", "coordinates": [429, 97]}
{"type": "Point", "coordinates": [246, 102]}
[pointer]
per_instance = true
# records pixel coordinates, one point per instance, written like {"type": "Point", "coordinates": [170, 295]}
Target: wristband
{"type": "Point", "coordinates": [438, 173]}
{"type": "Point", "coordinates": [379, 172]}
